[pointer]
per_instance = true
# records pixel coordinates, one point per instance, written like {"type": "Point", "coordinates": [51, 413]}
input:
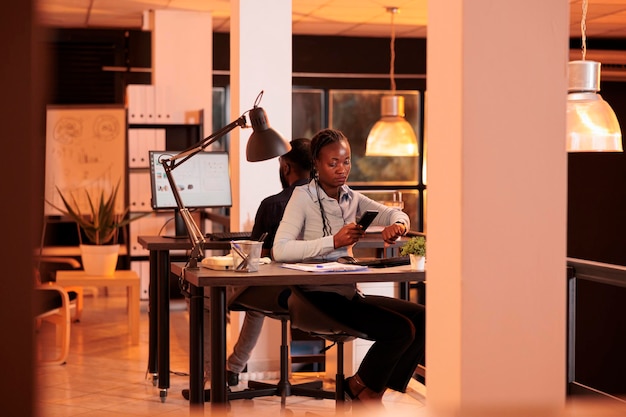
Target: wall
{"type": "Point", "coordinates": [24, 86]}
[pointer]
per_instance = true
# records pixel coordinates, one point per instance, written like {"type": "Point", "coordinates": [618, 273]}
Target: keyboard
{"type": "Point", "coordinates": [383, 262]}
{"type": "Point", "coordinates": [222, 236]}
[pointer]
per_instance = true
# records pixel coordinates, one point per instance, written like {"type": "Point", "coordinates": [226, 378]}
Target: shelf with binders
{"type": "Point", "coordinates": [142, 138]}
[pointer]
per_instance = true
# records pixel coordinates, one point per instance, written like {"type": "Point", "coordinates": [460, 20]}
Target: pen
{"type": "Point", "coordinates": [242, 255]}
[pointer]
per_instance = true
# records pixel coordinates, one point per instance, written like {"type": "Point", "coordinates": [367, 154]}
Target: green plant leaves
{"type": "Point", "coordinates": [416, 246]}
{"type": "Point", "coordinates": [101, 223]}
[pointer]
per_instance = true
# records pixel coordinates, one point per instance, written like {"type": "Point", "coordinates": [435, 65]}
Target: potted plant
{"type": "Point", "coordinates": [416, 249]}
{"type": "Point", "coordinates": [101, 225]}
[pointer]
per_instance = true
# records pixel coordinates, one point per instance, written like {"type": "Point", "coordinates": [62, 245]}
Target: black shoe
{"type": "Point", "coordinates": [207, 395]}
{"type": "Point", "coordinates": [232, 378]}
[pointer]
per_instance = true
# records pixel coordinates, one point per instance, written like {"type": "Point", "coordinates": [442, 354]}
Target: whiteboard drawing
{"type": "Point", "coordinates": [85, 150]}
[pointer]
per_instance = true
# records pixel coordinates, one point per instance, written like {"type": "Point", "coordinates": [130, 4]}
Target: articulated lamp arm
{"type": "Point", "coordinates": [195, 234]}
{"type": "Point", "coordinates": [264, 143]}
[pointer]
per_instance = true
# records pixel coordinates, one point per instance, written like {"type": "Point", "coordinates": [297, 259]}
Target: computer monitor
{"type": "Point", "coordinates": [203, 181]}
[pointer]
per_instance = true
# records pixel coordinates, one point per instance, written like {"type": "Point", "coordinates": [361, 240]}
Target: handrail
{"type": "Point", "coordinates": [598, 271]}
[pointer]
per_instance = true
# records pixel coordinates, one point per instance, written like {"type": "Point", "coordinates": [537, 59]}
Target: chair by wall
{"type": "Point", "coordinates": [52, 304]}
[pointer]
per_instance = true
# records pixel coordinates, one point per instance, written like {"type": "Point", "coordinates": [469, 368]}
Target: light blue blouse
{"type": "Point", "coordinates": [300, 234]}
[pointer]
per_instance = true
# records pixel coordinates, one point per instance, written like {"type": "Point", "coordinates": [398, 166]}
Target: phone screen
{"type": "Point", "coordinates": [367, 218]}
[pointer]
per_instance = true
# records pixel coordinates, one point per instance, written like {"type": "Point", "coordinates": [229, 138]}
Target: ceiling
{"type": "Point", "coordinates": [368, 18]}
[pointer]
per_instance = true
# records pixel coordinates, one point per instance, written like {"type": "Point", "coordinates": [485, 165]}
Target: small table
{"type": "Point", "coordinates": [123, 278]}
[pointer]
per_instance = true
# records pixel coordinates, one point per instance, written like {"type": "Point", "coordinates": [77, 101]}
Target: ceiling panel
{"type": "Point", "coordinates": [605, 18]}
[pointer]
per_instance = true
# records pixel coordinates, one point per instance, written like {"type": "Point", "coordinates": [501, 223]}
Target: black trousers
{"type": "Point", "coordinates": [397, 328]}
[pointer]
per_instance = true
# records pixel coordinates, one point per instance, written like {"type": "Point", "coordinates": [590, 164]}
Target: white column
{"type": "Point", "coordinates": [182, 61]}
{"type": "Point", "coordinates": [260, 60]}
{"type": "Point", "coordinates": [497, 204]}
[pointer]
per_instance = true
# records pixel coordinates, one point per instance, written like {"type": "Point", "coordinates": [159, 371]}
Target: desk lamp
{"type": "Point", "coordinates": [264, 143]}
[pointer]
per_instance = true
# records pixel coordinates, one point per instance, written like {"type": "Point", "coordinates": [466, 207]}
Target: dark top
{"type": "Point", "coordinates": [270, 212]}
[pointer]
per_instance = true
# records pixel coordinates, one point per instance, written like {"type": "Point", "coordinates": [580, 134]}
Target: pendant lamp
{"type": "Point", "coordinates": [392, 135]}
{"type": "Point", "coordinates": [591, 123]}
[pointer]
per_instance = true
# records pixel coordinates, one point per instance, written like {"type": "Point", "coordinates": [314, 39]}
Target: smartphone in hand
{"type": "Point", "coordinates": [367, 218]}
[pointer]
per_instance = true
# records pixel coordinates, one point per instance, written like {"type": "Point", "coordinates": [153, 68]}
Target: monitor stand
{"type": "Point", "coordinates": [179, 227]}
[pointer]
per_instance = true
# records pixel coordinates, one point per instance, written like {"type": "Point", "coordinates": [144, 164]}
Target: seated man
{"type": "Point", "coordinates": [295, 167]}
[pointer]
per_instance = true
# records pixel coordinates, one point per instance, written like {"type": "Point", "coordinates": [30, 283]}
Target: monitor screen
{"type": "Point", "coordinates": [202, 180]}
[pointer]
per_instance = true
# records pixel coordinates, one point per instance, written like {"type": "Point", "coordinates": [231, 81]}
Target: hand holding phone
{"type": "Point", "coordinates": [367, 218]}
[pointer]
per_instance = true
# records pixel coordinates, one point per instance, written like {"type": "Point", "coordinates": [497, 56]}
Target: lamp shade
{"type": "Point", "coordinates": [392, 135]}
{"type": "Point", "coordinates": [591, 123]}
{"type": "Point", "coordinates": [264, 142]}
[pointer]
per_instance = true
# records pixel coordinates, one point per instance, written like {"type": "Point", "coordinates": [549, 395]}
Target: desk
{"type": "Point", "coordinates": [159, 303]}
{"type": "Point", "coordinates": [123, 278]}
{"type": "Point", "coordinates": [272, 274]}
{"type": "Point", "coordinates": [158, 295]}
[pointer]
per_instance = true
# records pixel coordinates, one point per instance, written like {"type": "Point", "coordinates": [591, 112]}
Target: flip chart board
{"type": "Point", "coordinates": [85, 151]}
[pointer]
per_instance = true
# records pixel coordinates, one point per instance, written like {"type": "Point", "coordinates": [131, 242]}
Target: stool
{"type": "Point", "coordinates": [124, 278]}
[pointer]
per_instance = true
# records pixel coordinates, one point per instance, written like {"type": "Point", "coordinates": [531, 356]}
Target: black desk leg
{"type": "Point", "coordinates": [153, 328]}
{"type": "Point", "coordinates": [163, 314]}
{"type": "Point", "coordinates": [196, 346]}
{"type": "Point", "coordinates": [218, 346]}
{"type": "Point", "coordinates": [405, 288]}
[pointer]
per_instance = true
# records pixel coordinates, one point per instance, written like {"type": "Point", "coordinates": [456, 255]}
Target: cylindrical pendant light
{"type": "Point", "coordinates": [591, 123]}
{"type": "Point", "coordinates": [392, 135]}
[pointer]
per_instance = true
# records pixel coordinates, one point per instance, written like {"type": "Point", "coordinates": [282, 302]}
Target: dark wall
{"type": "Point", "coordinates": [597, 195]}
{"type": "Point", "coordinates": [79, 56]}
{"type": "Point", "coordinates": [345, 56]}
{"type": "Point", "coordinates": [93, 66]}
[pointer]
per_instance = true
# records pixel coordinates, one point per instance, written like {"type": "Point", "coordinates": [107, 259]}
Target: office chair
{"type": "Point", "coordinates": [307, 317]}
{"type": "Point", "coordinates": [271, 301]}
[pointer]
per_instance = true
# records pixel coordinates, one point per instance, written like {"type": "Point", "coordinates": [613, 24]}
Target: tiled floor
{"type": "Point", "coordinates": [105, 375]}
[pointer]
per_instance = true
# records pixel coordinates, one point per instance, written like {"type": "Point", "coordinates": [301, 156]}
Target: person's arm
{"type": "Point", "coordinates": [396, 222]}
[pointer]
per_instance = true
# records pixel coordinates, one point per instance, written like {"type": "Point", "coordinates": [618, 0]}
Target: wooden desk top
{"type": "Point", "coordinates": [371, 240]}
{"type": "Point", "coordinates": [170, 243]}
{"type": "Point", "coordinates": [274, 274]}
{"type": "Point", "coordinates": [80, 278]}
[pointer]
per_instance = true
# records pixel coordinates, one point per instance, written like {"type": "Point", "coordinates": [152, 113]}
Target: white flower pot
{"type": "Point", "coordinates": [417, 262]}
{"type": "Point", "coordinates": [99, 260]}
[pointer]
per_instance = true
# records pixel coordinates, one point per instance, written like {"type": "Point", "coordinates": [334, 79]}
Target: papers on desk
{"type": "Point", "coordinates": [325, 267]}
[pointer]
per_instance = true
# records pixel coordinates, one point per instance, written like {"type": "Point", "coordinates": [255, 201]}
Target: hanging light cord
{"type": "Point", "coordinates": [583, 29]}
{"type": "Point", "coordinates": [393, 11]}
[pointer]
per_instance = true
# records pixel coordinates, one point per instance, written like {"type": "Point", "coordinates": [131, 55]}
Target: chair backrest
{"type": "Point", "coordinates": [307, 317]}
{"type": "Point", "coordinates": [49, 299]}
{"type": "Point", "coordinates": [52, 304]}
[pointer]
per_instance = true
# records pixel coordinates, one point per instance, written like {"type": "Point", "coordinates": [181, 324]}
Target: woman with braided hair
{"type": "Point", "coordinates": [319, 224]}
